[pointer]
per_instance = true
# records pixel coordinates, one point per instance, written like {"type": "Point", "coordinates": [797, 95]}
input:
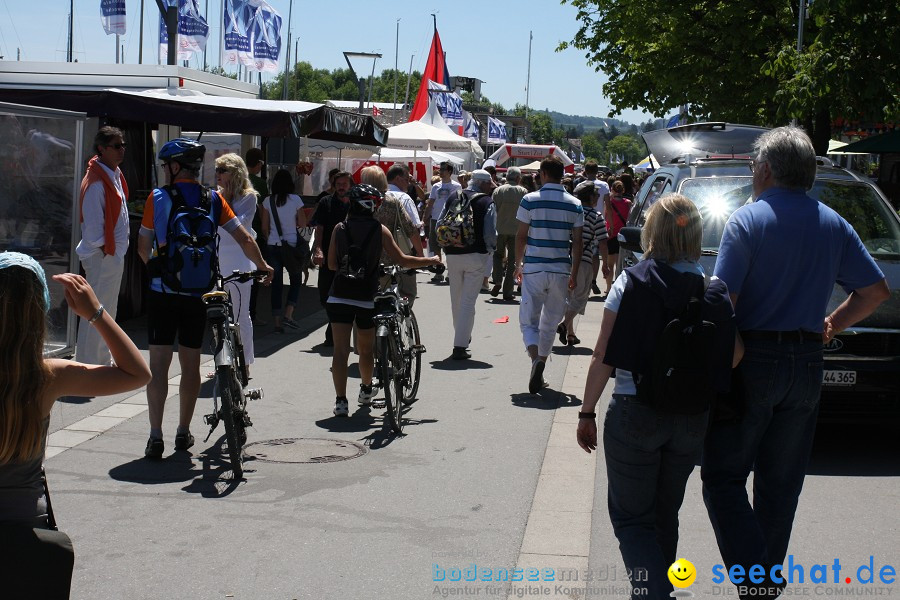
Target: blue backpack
{"type": "Point", "coordinates": [189, 260]}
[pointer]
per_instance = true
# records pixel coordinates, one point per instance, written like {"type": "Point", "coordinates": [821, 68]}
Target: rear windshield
{"type": "Point", "coordinates": [717, 197]}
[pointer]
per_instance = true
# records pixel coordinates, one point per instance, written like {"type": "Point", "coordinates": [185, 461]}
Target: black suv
{"type": "Point", "coordinates": [709, 163]}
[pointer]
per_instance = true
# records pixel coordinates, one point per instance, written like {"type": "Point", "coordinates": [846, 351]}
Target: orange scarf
{"type": "Point", "coordinates": [113, 206]}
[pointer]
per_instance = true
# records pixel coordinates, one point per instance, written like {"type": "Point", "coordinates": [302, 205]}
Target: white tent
{"type": "Point", "coordinates": [432, 134]}
{"type": "Point", "coordinates": [400, 155]}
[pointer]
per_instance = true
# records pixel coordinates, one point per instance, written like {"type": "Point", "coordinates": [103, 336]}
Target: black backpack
{"type": "Point", "coordinates": [355, 263]}
{"type": "Point", "coordinates": [189, 260]}
{"type": "Point", "coordinates": [680, 380]}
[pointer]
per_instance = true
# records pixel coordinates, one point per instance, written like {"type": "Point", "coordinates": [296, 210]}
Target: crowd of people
{"type": "Point", "coordinates": [545, 237]}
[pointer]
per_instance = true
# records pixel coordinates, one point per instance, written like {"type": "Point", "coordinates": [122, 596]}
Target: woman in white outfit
{"type": "Point", "coordinates": [233, 181]}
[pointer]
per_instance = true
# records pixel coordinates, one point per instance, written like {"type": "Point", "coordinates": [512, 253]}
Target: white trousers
{"type": "Point", "coordinates": [466, 273]}
{"type": "Point", "coordinates": [104, 274]}
{"type": "Point", "coordinates": [544, 302]}
{"type": "Point", "coordinates": [240, 300]}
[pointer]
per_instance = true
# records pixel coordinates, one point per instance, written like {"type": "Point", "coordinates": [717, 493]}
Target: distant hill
{"type": "Point", "coordinates": [588, 123]}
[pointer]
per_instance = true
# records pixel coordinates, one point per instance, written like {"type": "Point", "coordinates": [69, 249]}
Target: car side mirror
{"type": "Point", "coordinates": [630, 239]}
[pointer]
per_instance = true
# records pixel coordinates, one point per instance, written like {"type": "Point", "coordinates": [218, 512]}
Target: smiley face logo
{"type": "Point", "coordinates": [682, 573]}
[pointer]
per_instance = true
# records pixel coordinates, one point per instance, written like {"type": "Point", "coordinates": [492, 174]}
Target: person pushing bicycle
{"type": "Point", "coordinates": [354, 255]}
{"type": "Point", "coordinates": [178, 243]}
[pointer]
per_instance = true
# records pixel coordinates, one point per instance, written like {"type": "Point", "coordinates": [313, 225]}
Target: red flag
{"type": "Point", "coordinates": [376, 112]}
{"type": "Point", "coordinates": [435, 70]}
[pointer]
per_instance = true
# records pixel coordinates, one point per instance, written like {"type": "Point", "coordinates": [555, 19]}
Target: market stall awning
{"type": "Point", "coordinates": [532, 151]}
{"type": "Point", "coordinates": [417, 135]}
{"type": "Point", "coordinates": [200, 112]}
{"type": "Point", "coordinates": [877, 144]}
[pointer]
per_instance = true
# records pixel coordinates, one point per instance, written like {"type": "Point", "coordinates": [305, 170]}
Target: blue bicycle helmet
{"type": "Point", "coordinates": [184, 151]}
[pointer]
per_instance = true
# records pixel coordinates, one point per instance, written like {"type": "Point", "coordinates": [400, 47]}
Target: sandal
{"type": "Point", "coordinates": [572, 340]}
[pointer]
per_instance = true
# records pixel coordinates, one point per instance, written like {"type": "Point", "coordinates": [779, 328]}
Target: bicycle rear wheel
{"type": "Point", "coordinates": [412, 356]}
{"type": "Point", "coordinates": [391, 379]}
{"type": "Point", "coordinates": [231, 415]}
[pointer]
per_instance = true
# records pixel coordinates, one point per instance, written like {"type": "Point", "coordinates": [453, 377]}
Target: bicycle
{"type": "Point", "coordinates": [231, 374]}
{"type": "Point", "coordinates": [398, 349]}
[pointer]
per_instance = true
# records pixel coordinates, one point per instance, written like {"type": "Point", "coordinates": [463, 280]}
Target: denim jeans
{"type": "Point", "coordinates": [277, 264]}
{"type": "Point", "coordinates": [781, 384]}
{"type": "Point", "coordinates": [649, 457]}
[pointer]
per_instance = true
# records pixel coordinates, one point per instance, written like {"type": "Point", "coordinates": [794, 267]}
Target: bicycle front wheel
{"type": "Point", "coordinates": [412, 358]}
{"type": "Point", "coordinates": [231, 395]}
{"type": "Point", "coordinates": [391, 379]}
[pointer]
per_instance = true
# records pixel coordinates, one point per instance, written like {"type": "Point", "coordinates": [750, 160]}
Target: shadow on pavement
{"type": "Point", "coordinates": [448, 364]}
{"type": "Point", "coordinates": [75, 399]}
{"type": "Point", "coordinates": [855, 450]}
{"type": "Point", "coordinates": [211, 480]}
{"type": "Point", "coordinates": [546, 399]}
{"type": "Point", "coordinates": [573, 350]}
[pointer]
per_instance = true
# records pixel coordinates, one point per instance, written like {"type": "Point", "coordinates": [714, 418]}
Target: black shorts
{"type": "Point", "coordinates": [612, 245]}
{"type": "Point", "coordinates": [347, 313]}
{"type": "Point", "coordinates": [168, 314]}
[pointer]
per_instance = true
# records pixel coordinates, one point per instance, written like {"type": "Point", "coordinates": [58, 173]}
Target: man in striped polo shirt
{"type": "Point", "coordinates": [549, 221]}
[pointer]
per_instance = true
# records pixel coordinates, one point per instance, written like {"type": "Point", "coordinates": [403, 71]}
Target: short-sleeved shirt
{"type": "Point", "coordinates": [551, 214]}
{"type": "Point", "coordinates": [155, 223]}
{"type": "Point", "coordinates": [593, 233]}
{"type": "Point", "coordinates": [783, 254]}
{"type": "Point", "coordinates": [439, 193]}
{"type": "Point", "coordinates": [330, 211]}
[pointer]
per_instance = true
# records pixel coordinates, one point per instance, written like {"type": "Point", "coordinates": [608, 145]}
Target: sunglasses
{"type": "Point", "coordinates": [753, 164]}
{"type": "Point", "coordinates": [117, 146]}
{"type": "Point", "coordinates": [221, 170]}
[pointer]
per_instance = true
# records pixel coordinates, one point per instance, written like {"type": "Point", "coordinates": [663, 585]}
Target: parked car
{"type": "Point", "coordinates": [709, 163]}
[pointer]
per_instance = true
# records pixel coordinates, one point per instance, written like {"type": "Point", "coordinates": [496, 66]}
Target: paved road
{"type": "Point", "coordinates": [487, 475]}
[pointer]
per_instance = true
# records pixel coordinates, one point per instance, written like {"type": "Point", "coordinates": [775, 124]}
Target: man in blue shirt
{"type": "Point", "coordinates": [780, 257]}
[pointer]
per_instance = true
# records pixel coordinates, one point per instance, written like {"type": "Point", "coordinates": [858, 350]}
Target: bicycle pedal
{"type": "Point", "coordinates": [247, 421]}
{"type": "Point", "coordinates": [211, 419]}
{"type": "Point", "coordinates": [419, 348]}
{"type": "Point", "coordinates": [378, 404]}
{"type": "Point", "coordinates": [254, 394]}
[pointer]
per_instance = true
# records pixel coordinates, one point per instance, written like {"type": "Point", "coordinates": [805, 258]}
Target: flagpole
{"type": "Point", "coordinates": [528, 80]}
{"type": "Point", "coordinates": [69, 49]}
{"type": "Point", "coordinates": [206, 14]}
{"type": "Point", "coordinates": [396, 72]}
{"type": "Point", "coordinates": [141, 37]}
{"type": "Point", "coordinates": [287, 52]}
{"type": "Point", "coordinates": [408, 78]}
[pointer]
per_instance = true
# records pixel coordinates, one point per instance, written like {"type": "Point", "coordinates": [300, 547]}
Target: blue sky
{"type": "Point", "coordinates": [487, 40]}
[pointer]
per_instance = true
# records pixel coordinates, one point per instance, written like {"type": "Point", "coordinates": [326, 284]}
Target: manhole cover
{"type": "Point", "coordinates": [304, 450]}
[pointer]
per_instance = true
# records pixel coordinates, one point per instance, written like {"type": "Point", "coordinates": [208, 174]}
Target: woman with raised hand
{"type": "Point", "coordinates": [29, 386]}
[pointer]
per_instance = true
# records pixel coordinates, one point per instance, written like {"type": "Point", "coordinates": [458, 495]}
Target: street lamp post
{"type": "Point", "coordinates": [361, 84]}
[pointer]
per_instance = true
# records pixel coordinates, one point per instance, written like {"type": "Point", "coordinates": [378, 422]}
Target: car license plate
{"type": "Point", "coordinates": [839, 378]}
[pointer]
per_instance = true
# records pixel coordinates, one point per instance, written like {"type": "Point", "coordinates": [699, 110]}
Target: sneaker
{"type": "Point", "coordinates": [460, 353]}
{"type": "Point", "coordinates": [438, 278]}
{"type": "Point", "coordinates": [366, 394]}
{"type": "Point", "coordinates": [536, 381]}
{"type": "Point", "coordinates": [154, 449]}
{"type": "Point", "coordinates": [183, 441]}
{"type": "Point", "coordinates": [341, 408]}
{"type": "Point", "coordinates": [291, 323]}
{"type": "Point", "coordinates": [561, 330]}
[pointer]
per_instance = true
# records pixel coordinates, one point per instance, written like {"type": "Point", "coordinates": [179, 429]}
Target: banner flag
{"type": "Point", "coordinates": [496, 131]}
{"type": "Point", "coordinates": [112, 15]}
{"type": "Point", "coordinates": [252, 35]}
{"type": "Point", "coordinates": [471, 129]}
{"type": "Point", "coordinates": [580, 156]}
{"type": "Point", "coordinates": [192, 31]}
{"type": "Point", "coordinates": [435, 70]}
{"type": "Point", "coordinates": [448, 104]}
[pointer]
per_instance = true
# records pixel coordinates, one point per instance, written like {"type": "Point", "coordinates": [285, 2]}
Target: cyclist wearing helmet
{"type": "Point", "coordinates": [171, 312]}
{"type": "Point", "coordinates": [354, 253]}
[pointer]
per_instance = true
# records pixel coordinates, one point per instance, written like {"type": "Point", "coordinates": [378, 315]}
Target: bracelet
{"type": "Point", "coordinates": [97, 315]}
{"type": "Point", "coordinates": [584, 415]}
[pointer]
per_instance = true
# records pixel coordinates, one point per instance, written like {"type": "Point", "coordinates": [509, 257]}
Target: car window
{"type": "Point", "coordinates": [871, 217]}
{"type": "Point", "coordinates": [658, 187]}
{"type": "Point", "coordinates": [716, 198]}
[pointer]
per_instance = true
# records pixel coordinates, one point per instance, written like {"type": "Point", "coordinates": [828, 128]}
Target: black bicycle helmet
{"type": "Point", "coordinates": [364, 199]}
{"type": "Point", "coordinates": [184, 151]}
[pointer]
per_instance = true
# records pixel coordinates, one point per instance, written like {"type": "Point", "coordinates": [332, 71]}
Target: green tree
{"type": "Point", "coordinates": [738, 62]}
{"type": "Point", "coordinates": [541, 128]}
{"type": "Point", "coordinates": [627, 147]}
{"type": "Point", "coordinates": [594, 148]}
